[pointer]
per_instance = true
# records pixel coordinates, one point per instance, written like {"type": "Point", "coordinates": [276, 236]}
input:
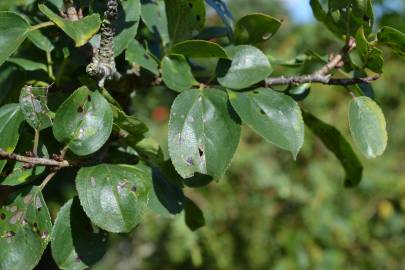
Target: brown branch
{"type": "Point", "coordinates": [33, 160]}
{"type": "Point", "coordinates": [323, 74]}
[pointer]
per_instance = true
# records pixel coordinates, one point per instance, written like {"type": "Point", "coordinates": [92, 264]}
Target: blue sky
{"type": "Point", "coordinates": [300, 10]}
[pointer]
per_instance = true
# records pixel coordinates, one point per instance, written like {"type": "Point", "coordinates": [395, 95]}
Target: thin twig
{"type": "Point", "coordinates": [33, 160]}
{"type": "Point", "coordinates": [323, 74]}
{"type": "Point", "coordinates": [47, 179]}
{"type": "Point", "coordinates": [316, 78]}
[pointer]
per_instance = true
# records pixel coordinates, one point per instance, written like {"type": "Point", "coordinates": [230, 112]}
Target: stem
{"type": "Point", "coordinates": [46, 180]}
{"type": "Point", "coordinates": [36, 142]}
{"type": "Point", "coordinates": [41, 25]}
{"type": "Point", "coordinates": [33, 160]}
{"type": "Point", "coordinates": [49, 61]}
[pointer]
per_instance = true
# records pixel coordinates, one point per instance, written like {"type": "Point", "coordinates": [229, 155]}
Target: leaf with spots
{"type": "Point", "coordinates": [114, 197]}
{"type": "Point", "coordinates": [76, 243]}
{"type": "Point", "coordinates": [186, 18]}
{"type": "Point", "coordinates": [204, 133]}
{"type": "Point", "coordinates": [367, 126]}
{"type": "Point", "coordinates": [83, 122]}
{"type": "Point", "coordinates": [25, 226]}
{"type": "Point", "coordinates": [273, 115]}
{"type": "Point", "coordinates": [33, 104]}
{"type": "Point", "coordinates": [11, 118]}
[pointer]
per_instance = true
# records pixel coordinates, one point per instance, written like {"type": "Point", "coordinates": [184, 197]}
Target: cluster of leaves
{"type": "Point", "coordinates": [120, 173]}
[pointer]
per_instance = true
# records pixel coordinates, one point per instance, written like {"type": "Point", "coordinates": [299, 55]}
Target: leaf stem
{"type": "Point", "coordinates": [49, 65]}
{"type": "Point", "coordinates": [41, 25]}
{"type": "Point", "coordinates": [36, 142]}
{"type": "Point", "coordinates": [47, 179]}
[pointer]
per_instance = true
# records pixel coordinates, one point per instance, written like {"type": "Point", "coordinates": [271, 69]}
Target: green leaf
{"type": "Point", "coordinates": [299, 92]}
{"type": "Point", "coordinates": [80, 31]}
{"type": "Point", "coordinates": [136, 54]}
{"type": "Point", "coordinates": [194, 217]}
{"type": "Point", "coordinates": [274, 116]}
{"type": "Point", "coordinates": [114, 197]}
{"type": "Point", "coordinates": [393, 39]}
{"type": "Point", "coordinates": [199, 49]}
{"type": "Point", "coordinates": [371, 56]}
{"type": "Point", "coordinates": [345, 17]}
{"type": "Point", "coordinates": [25, 226]}
{"type": "Point", "coordinates": [154, 17]}
{"type": "Point", "coordinates": [13, 31]}
{"type": "Point", "coordinates": [11, 118]}
{"type": "Point", "coordinates": [76, 243]}
{"type": "Point", "coordinates": [41, 41]}
{"type": "Point", "coordinates": [33, 104]}
{"type": "Point", "coordinates": [255, 28]}
{"type": "Point", "coordinates": [203, 133]}
{"type": "Point", "coordinates": [176, 73]}
{"type": "Point", "coordinates": [337, 144]}
{"type": "Point", "coordinates": [130, 127]}
{"type": "Point", "coordinates": [27, 64]}
{"type": "Point", "coordinates": [249, 66]}
{"type": "Point", "coordinates": [367, 126]}
{"type": "Point", "coordinates": [83, 122]}
{"type": "Point", "coordinates": [186, 18]}
{"type": "Point", "coordinates": [126, 25]}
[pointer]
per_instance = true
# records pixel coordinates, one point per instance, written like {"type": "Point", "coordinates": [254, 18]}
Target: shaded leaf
{"type": "Point", "coordinates": [154, 17]}
{"type": "Point", "coordinates": [76, 243]}
{"type": "Point", "coordinates": [11, 118]}
{"type": "Point", "coordinates": [186, 18]}
{"type": "Point", "coordinates": [194, 217]}
{"type": "Point", "coordinates": [126, 25]}
{"type": "Point", "coordinates": [130, 127]}
{"type": "Point", "coordinates": [338, 145]}
{"type": "Point", "coordinates": [223, 11]}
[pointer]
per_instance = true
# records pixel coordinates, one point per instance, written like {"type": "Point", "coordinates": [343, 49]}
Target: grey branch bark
{"type": "Point", "coordinates": [323, 74]}
{"type": "Point", "coordinates": [33, 160]}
